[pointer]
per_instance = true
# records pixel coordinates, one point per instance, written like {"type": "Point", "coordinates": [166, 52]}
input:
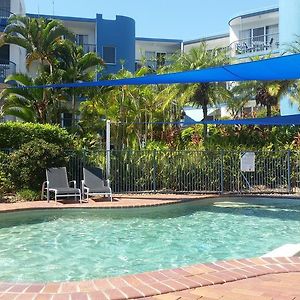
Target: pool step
{"type": "Point", "coordinates": [286, 250]}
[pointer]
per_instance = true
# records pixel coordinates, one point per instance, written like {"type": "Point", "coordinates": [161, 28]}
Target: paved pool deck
{"type": "Point", "coordinates": [240, 279]}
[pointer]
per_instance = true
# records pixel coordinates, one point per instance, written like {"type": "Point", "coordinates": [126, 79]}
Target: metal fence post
{"type": "Point", "coordinates": [154, 170]}
{"type": "Point", "coordinates": [289, 170]}
{"type": "Point", "coordinates": [222, 171]}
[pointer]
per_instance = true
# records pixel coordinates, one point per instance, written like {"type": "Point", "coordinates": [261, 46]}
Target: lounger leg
{"type": "Point", "coordinates": [80, 199]}
{"type": "Point", "coordinates": [55, 197]}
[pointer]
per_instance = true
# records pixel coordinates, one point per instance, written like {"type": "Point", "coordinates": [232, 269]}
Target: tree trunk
{"type": "Point", "coordinates": [73, 107]}
{"type": "Point", "coordinates": [269, 110]}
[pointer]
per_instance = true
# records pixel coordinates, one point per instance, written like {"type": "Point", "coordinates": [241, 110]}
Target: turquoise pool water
{"type": "Point", "coordinates": [59, 245]}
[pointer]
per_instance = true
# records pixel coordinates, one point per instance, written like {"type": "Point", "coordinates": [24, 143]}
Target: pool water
{"type": "Point", "coordinates": [77, 244]}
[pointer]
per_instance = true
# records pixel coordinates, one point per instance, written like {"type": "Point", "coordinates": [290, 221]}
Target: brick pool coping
{"type": "Point", "coordinates": [119, 201]}
{"type": "Point", "coordinates": [154, 283]}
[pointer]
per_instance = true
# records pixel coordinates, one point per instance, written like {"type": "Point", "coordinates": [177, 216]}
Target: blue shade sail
{"type": "Point", "coordinates": [277, 68]}
{"type": "Point", "coordinates": [280, 120]}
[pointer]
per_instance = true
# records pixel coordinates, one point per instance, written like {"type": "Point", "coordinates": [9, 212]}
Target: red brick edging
{"type": "Point", "coordinates": [151, 283]}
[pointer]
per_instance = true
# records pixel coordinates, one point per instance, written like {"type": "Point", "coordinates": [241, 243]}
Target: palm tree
{"type": "Point", "coordinates": [76, 66]}
{"type": "Point", "coordinates": [28, 104]}
{"type": "Point", "coordinates": [38, 36]}
{"type": "Point", "coordinates": [201, 94]}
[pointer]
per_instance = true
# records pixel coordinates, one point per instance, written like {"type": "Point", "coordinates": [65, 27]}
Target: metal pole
{"type": "Point", "coordinates": [107, 149]}
{"type": "Point", "coordinates": [222, 171]}
{"type": "Point", "coordinates": [289, 171]}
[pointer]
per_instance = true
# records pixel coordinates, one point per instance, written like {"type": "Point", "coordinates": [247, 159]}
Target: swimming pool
{"type": "Point", "coordinates": [77, 244]}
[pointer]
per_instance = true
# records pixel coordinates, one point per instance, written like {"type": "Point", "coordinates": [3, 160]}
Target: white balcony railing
{"type": "Point", "coordinates": [263, 43]}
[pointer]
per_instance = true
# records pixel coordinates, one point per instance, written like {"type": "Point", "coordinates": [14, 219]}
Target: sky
{"type": "Point", "coordinates": [174, 19]}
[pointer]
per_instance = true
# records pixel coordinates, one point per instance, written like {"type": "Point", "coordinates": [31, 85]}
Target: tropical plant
{"type": "Point", "coordinates": [27, 165]}
{"type": "Point", "coordinates": [14, 134]}
{"type": "Point", "coordinates": [201, 94]}
{"type": "Point", "coordinates": [39, 36]}
{"type": "Point", "coordinates": [76, 66]}
{"type": "Point", "coordinates": [34, 105]}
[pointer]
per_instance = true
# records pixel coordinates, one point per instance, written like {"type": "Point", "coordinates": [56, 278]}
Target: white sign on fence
{"type": "Point", "coordinates": [248, 162]}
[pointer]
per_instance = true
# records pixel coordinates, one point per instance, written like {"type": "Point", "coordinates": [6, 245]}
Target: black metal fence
{"type": "Point", "coordinates": [200, 171]}
{"type": "Point", "coordinates": [154, 171]}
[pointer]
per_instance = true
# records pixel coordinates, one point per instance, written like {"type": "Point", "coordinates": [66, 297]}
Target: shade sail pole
{"type": "Point", "coordinates": [107, 149]}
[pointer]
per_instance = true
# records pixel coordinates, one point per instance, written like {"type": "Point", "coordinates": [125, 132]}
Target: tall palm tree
{"type": "Point", "coordinates": [202, 94]}
{"type": "Point", "coordinates": [266, 93]}
{"type": "Point", "coordinates": [76, 66]}
{"type": "Point", "coordinates": [38, 36]}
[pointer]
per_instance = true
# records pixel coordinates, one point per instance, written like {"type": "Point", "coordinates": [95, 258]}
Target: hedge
{"type": "Point", "coordinates": [14, 134]}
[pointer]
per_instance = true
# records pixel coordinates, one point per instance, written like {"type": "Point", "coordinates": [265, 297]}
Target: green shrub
{"type": "Point", "coordinates": [15, 134]}
{"type": "Point", "coordinates": [5, 183]}
{"type": "Point", "coordinates": [28, 164]}
{"type": "Point", "coordinates": [27, 195]}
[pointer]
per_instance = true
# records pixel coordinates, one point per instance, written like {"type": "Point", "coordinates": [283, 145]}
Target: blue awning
{"type": "Point", "coordinates": [278, 68]}
{"type": "Point", "coordinates": [279, 120]}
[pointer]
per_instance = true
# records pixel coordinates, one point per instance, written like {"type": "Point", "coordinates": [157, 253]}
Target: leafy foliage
{"type": "Point", "coordinates": [14, 135]}
{"type": "Point", "coordinates": [27, 195]}
{"type": "Point", "coordinates": [28, 164]}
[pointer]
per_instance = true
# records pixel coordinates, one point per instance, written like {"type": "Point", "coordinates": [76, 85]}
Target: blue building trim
{"type": "Point", "coordinates": [63, 18]}
{"type": "Point", "coordinates": [143, 39]}
{"type": "Point", "coordinates": [119, 33]}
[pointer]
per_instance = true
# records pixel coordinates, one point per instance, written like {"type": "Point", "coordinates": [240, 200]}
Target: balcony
{"type": "Point", "coordinates": [88, 47]}
{"type": "Point", "coordinates": [6, 68]}
{"type": "Point", "coordinates": [256, 45]}
{"type": "Point", "coordinates": [152, 64]}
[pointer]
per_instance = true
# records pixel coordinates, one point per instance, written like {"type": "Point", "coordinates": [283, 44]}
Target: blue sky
{"type": "Point", "coordinates": [188, 19]}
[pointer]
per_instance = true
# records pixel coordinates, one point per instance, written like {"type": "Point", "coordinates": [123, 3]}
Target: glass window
{"type": "Point", "coordinates": [4, 54]}
{"type": "Point", "coordinates": [66, 120]}
{"type": "Point", "coordinates": [5, 4]}
{"type": "Point", "coordinates": [258, 34]}
{"type": "Point", "coordinates": [82, 39]}
{"type": "Point", "coordinates": [160, 59]}
{"type": "Point", "coordinates": [109, 54]}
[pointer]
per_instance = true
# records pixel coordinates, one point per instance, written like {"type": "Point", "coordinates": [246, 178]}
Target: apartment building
{"type": "Point", "coordinates": [264, 32]}
{"type": "Point", "coordinates": [12, 58]}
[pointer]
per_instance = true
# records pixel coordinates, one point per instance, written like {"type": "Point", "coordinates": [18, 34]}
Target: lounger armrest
{"type": "Point", "coordinates": [73, 182]}
{"type": "Point", "coordinates": [83, 185]}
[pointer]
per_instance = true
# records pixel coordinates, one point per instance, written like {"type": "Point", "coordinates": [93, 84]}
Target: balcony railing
{"type": "Point", "coordinates": [152, 64]}
{"type": "Point", "coordinates": [6, 68]}
{"type": "Point", "coordinates": [88, 47]}
{"type": "Point", "coordinates": [263, 43]}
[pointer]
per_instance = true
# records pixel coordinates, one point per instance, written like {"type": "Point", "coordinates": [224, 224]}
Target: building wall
{"type": "Point", "coordinates": [221, 41]}
{"type": "Point", "coordinates": [119, 33]}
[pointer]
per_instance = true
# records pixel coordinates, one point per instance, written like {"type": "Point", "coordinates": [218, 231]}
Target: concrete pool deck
{"type": "Point", "coordinates": [243, 279]}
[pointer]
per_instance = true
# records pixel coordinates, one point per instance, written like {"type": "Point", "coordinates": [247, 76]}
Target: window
{"type": "Point", "coordinates": [109, 54]}
{"type": "Point", "coordinates": [258, 34]}
{"type": "Point", "coordinates": [66, 120]}
{"type": "Point", "coordinates": [5, 5]}
{"type": "Point", "coordinates": [160, 59]}
{"type": "Point", "coordinates": [82, 39]}
{"type": "Point", "coordinates": [4, 54]}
